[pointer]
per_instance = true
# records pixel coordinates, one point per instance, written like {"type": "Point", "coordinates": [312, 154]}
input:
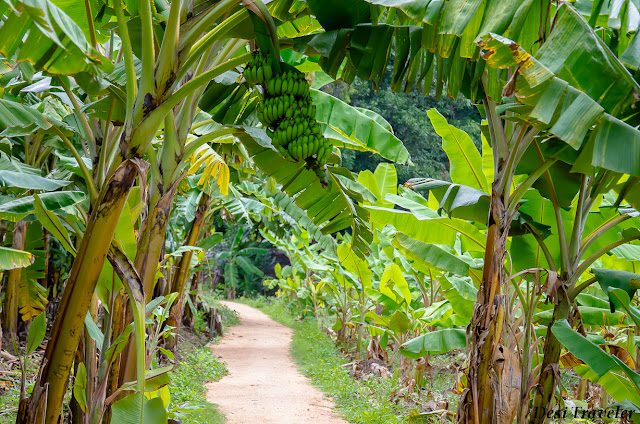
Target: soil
{"type": "Point", "coordinates": [264, 385]}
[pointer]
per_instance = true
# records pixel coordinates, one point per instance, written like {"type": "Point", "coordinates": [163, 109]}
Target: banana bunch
{"type": "Point", "coordinates": [274, 109]}
{"type": "Point", "coordinates": [290, 129]}
{"type": "Point", "coordinates": [309, 145]}
{"type": "Point", "coordinates": [288, 83]}
{"type": "Point", "coordinates": [258, 70]}
{"type": "Point", "coordinates": [288, 112]}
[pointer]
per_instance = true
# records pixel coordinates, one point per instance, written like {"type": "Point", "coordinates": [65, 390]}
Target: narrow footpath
{"type": "Point", "coordinates": [264, 385]}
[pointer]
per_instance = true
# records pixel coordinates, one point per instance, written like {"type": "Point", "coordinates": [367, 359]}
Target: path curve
{"type": "Point", "coordinates": [263, 385]}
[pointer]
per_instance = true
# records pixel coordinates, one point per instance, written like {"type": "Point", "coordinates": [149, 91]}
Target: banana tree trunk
{"type": "Point", "coordinates": [180, 278]}
{"type": "Point", "coordinates": [550, 370]}
{"type": "Point", "coordinates": [493, 376]}
{"type": "Point", "coordinates": [152, 241]}
{"type": "Point", "coordinates": [48, 394]}
{"type": "Point", "coordinates": [10, 308]}
{"type": "Point", "coordinates": [149, 251]}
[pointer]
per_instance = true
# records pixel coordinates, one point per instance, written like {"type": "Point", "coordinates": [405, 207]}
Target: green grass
{"type": "Point", "coordinates": [361, 402]}
{"type": "Point", "coordinates": [197, 367]}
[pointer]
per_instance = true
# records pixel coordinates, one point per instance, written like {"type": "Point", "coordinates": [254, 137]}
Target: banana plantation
{"type": "Point", "coordinates": [154, 153]}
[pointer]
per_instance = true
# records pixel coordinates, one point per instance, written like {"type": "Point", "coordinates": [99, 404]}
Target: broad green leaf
{"type": "Point", "coordinates": [354, 186]}
{"type": "Point", "coordinates": [41, 33]}
{"type": "Point", "coordinates": [80, 387]}
{"type": "Point", "coordinates": [351, 13]}
{"type": "Point", "coordinates": [617, 385]}
{"type": "Point", "coordinates": [134, 409]}
{"type": "Point", "coordinates": [487, 160]}
{"type": "Point", "coordinates": [464, 158]}
{"type": "Point", "coordinates": [368, 180]}
{"type": "Point", "coordinates": [590, 316]}
{"type": "Point", "coordinates": [434, 343]}
{"type": "Point", "coordinates": [415, 203]}
{"type": "Point", "coordinates": [231, 274]}
{"type": "Point", "coordinates": [437, 313]}
{"type": "Point", "coordinates": [355, 265]}
{"type": "Point", "coordinates": [247, 266]}
{"type": "Point", "coordinates": [610, 279]}
{"type": "Point", "coordinates": [394, 285]}
{"type": "Point", "coordinates": [29, 181]}
{"type": "Point", "coordinates": [458, 201]}
{"type": "Point", "coordinates": [355, 130]}
{"type": "Point", "coordinates": [13, 114]}
{"type": "Point", "coordinates": [599, 361]}
{"type": "Point", "coordinates": [431, 255]}
{"type": "Point", "coordinates": [53, 225]}
{"type": "Point", "coordinates": [399, 323]}
{"type": "Point", "coordinates": [37, 330]}
{"type": "Point", "coordinates": [461, 293]}
{"type": "Point", "coordinates": [430, 231]}
{"type": "Point", "coordinates": [574, 96]}
{"type": "Point", "coordinates": [13, 258]}
{"type": "Point", "coordinates": [387, 180]}
{"type": "Point", "coordinates": [77, 12]}
{"type": "Point", "coordinates": [94, 332]}
{"type": "Point", "coordinates": [585, 299]}
{"type": "Point", "coordinates": [379, 119]}
{"type": "Point", "coordinates": [15, 210]}
{"type": "Point", "coordinates": [209, 242]}
{"type": "Point", "coordinates": [621, 298]}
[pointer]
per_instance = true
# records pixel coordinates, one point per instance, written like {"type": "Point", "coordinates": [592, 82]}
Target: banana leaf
{"type": "Point", "coordinates": [40, 32]}
{"type": "Point", "coordinates": [333, 207]}
{"type": "Point", "coordinates": [13, 258]}
{"type": "Point", "coordinates": [434, 343]}
{"type": "Point", "coordinates": [356, 130]}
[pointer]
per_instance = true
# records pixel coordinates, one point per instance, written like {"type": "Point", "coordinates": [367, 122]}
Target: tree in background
{"type": "Point", "coordinates": [407, 115]}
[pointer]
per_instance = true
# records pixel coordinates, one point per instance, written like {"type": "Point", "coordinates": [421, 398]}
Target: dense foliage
{"type": "Point", "coordinates": [144, 151]}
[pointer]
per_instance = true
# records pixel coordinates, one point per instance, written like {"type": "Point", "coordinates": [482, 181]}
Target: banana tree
{"type": "Point", "coordinates": [30, 136]}
{"type": "Point", "coordinates": [133, 115]}
{"type": "Point", "coordinates": [583, 235]}
{"type": "Point", "coordinates": [445, 45]}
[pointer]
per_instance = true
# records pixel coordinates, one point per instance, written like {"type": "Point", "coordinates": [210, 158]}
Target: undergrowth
{"type": "Point", "coordinates": [360, 402]}
{"type": "Point", "coordinates": [197, 367]}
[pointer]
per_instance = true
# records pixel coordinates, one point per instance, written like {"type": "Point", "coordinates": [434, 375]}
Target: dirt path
{"type": "Point", "coordinates": [263, 385]}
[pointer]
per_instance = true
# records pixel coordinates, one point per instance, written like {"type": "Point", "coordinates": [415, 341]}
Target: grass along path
{"type": "Point", "coordinates": [359, 401]}
{"type": "Point", "coordinates": [263, 384]}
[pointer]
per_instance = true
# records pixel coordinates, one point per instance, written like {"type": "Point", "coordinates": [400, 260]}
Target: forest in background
{"type": "Point", "coordinates": [407, 114]}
